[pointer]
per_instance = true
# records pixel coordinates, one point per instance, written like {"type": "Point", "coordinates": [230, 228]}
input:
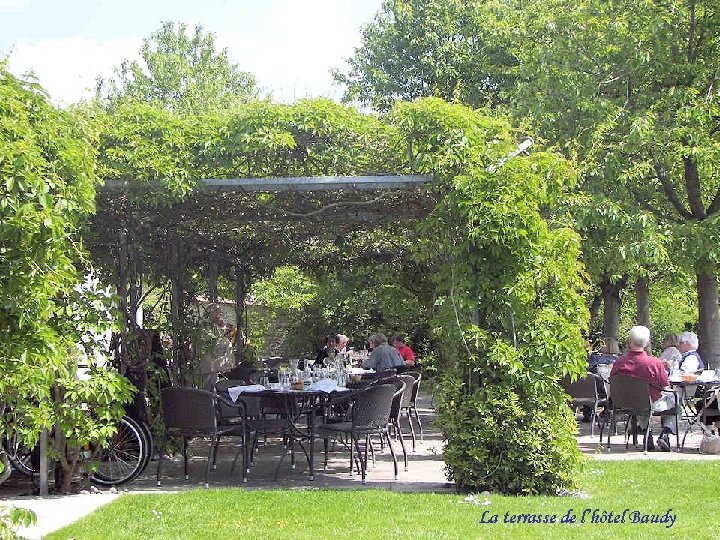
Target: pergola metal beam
{"type": "Point", "coordinates": [304, 183]}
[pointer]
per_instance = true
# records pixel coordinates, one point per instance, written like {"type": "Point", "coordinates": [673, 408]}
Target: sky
{"type": "Point", "coordinates": [289, 45]}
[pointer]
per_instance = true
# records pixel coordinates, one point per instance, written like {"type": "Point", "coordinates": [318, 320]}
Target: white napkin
{"type": "Point", "coordinates": [235, 391]}
{"type": "Point", "coordinates": [326, 385]}
{"type": "Point", "coordinates": [708, 375]}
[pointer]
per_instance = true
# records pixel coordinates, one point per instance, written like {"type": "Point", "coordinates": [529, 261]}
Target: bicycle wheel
{"type": "Point", "coordinates": [125, 456]}
{"type": "Point", "coordinates": [24, 459]}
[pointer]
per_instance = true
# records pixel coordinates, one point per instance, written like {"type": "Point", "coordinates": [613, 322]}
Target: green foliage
{"type": "Point", "coordinates": [180, 72]}
{"type": "Point", "coordinates": [509, 436]}
{"type": "Point", "coordinates": [147, 148]}
{"type": "Point", "coordinates": [11, 517]}
{"type": "Point", "coordinates": [512, 285]}
{"type": "Point", "coordinates": [47, 321]}
{"type": "Point", "coordinates": [421, 48]}
{"type": "Point", "coordinates": [288, 290]}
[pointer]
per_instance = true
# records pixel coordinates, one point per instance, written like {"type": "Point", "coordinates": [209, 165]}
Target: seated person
{"type": "Point", "coordinates": [342, 341]}
{"type": "Point", "coordinates": [330, 349]}
{"type": "Point", "coordinates": [383, 357]}
{"type": "Point", "coordinates": [637, 363]}
{"type": "Point", "coordinates": [406, 352]}
{"type": "Point", "coordinates": [671, 355]}
{"type": "Point", "coordinates": [690, 361]}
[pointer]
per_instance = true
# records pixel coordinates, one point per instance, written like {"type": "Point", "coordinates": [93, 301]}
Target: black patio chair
{"type": "Point", "coordinates": [584, 393]}
{"type": "Point", "coordinates": [631, 396]}
{"type": "Point", "coordinates": [369, 416]}
{"type": "Point", "coordinates": [257, 423]}
{"type": "Point", "coordinates": [401, 385]}
{"type": "Point", "coordinates": [190, 413]}
{"type": "Point", "coordinates": [240, 413]}
{"type": "Point", "coordinates": [409, 404]}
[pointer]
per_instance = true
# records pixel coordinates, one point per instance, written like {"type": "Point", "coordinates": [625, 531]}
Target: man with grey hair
{"type": "Point", "coordinates": [691, 361]}
{"type": "Point", "coordinates": [640, 365]}
{"type": "Point", "coordinates": [384, 357]}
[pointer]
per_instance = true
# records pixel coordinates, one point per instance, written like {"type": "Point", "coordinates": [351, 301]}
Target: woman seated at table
{"type": "Point", "coordinates": [342, 342]}
{"type": "Point", "coordinates": [329, 350]}
{"type": "Point", "coordinates": [384, 357]}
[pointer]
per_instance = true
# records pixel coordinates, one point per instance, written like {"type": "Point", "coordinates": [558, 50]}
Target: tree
{"type": "Point", "coordinates": [180, 72]}
{"type": "Point", "coordinates": [634, 84]}
{"type": "Point", "coordinates": [47, 190]}
{"type": "Point", "coordinates": [420, 48]}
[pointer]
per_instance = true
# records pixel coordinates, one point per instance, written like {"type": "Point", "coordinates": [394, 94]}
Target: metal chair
{"type": "Point", "coordinates": [189, 413]}
{"type": "Point", "coordinates": [409, 406]}
{"type": "Point", "coordinates": [256, 422]}
{"type": "Point", "coordinates": [231, 416]}
{"type": "Point", "coordinates": [403, 381]}
{"type": "Point", "coordinates": [370, 414]}
{"type": "Point", "coordinates": [403, 384]}
{"type": "Point", "coordinates": [631, 396]}
{"type": "Point", "coordinates": [584, 393]}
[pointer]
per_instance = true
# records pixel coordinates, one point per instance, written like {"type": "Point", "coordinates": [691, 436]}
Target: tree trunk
{"type": "Point", "coordinates": [642, 302]}
{"type": "Point", "coordinates": [642, 305]}
{"type": "Point", "coordinates": [595, 310]}
{"type": "Point", "coordinates": [611, 313]}
{"type": "Point", "coordinates": [709, 322]}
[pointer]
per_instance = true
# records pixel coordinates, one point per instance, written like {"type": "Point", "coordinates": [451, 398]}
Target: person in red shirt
{"type": "Point", "coordinates": [406, 352]}
{"type": "Point", "coordinates": [637, 363]}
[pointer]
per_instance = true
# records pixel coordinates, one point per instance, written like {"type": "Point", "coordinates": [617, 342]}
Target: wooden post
{"type": "Point", "coordinates": [176, 309]}
{"type": "Point", "coordinates": [122, 290]}
{"type": "Point", "coordinates": [134, 280]}
{"type": "Point", "coordinates": [43, 463]}
{"type": "Point", "coordinates": [240, 289]}
{"type": "Point", "coordinates": [212, 280]}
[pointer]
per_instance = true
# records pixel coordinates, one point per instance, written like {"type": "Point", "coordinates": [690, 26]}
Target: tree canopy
{"type": "Point", "coordinates": [180, 72]}
{"type": "Point", "coordinates": [418, 48]}
{"type": "Point", "coordinates": [628, 89]}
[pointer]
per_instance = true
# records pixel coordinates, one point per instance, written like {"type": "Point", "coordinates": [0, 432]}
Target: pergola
{"type": "Point", "coordinates": [240, 227]}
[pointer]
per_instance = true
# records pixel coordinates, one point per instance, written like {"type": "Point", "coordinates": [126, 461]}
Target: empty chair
{"type": "Point", "coordinates": [369, 415]}
{"type": "Point", "coordinates": [188, 413]}
{"type": "Point", "coordinates": [409, 404]}
{"type": "Point", "coordinates": [584, 393]}
{"type": "Point", "coordinates": [403, 381]}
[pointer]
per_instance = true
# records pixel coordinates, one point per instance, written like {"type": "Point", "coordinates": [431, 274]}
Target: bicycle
{"type": "Point", "coordinates": [123, 459]}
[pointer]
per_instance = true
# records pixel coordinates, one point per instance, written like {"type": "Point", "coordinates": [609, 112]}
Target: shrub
{"type": "Point", "coordinates": [507, 437]}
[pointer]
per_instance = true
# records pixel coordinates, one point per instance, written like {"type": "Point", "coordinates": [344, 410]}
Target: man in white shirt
{"type": "Point", "coordinates": [691, 361]}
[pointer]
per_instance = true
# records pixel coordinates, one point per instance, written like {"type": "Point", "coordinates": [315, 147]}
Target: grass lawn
{"type": "Point", "coordinates": [689, 492]}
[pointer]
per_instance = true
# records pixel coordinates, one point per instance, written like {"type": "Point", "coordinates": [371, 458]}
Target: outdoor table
{"type": "Point", "coordinates": [297, 404]}
{"type": "Point", "coordinates": [709, 389]}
